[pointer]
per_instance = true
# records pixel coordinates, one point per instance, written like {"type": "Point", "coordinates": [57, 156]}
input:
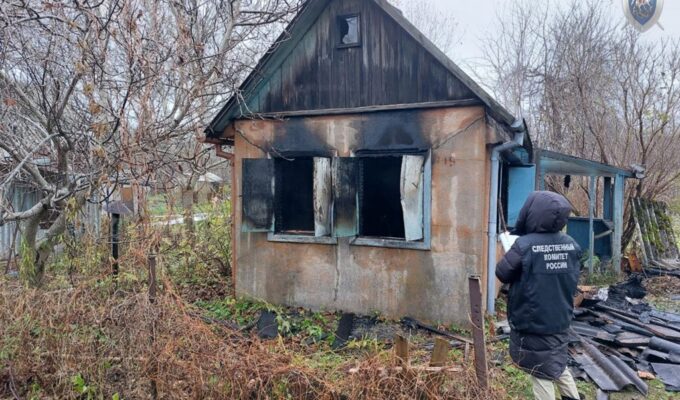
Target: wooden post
{"type": "Point", "coordinates": [115, 226]}
{"type": "Point", "coordinates": [152, 277]}
{"type": "Point", "coordinates": [440, 352]}
{"type": "Point", "coordinates": [116, 209]}
{"type": "Point", "coordinates": [478, 335]}
{"type": "Point", "coordinates": [401, 350]}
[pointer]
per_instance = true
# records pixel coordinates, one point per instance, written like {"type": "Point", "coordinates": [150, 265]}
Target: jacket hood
{"type": "Point", "coordinates": [543, 212]}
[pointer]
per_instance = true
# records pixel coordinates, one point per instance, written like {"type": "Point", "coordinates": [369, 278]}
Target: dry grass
{"type": "Point", "coordinates": [96, 341]}
{"type": "Point", "coordinates": [86, 336]}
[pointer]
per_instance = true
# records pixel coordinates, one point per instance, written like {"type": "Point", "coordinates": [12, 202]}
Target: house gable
{"type": "Point", "coordinates": [388, 67]}
{"type": "Point", "coordinates": [394, 64]}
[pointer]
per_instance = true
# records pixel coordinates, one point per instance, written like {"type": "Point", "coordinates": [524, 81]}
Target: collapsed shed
{"type": "Point", "coordinates": [367, 168]}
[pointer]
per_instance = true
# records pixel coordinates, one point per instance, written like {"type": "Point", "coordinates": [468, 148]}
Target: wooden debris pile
{"type": "Point", "coordinates": [618, 339]}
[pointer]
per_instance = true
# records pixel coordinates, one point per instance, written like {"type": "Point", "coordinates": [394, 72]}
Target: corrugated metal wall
{"type": "Point", "coordinates": [22, 198]}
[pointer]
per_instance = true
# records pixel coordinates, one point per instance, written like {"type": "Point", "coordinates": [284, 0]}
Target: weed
{"type": "Point", "coordinates": [604, 277]}
{"type": "Point", "coordinates": [199, 260]}
{"type": "Point", "coordinates": [84, 390]}
{"type": "Point", "coordinates": [372, 346]}
{"type": "Point", "coordinates": [515, 381]}
{"type": "Point", "coordinates": [241, 311]}
{"type": "Point", "coordinates": [501, 305]}
{"type": "Point", "coordinates": [458, 330]}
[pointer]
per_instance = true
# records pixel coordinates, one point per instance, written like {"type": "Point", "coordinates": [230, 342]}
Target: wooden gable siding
{"type": "Point", "coordinates": [389, 67]}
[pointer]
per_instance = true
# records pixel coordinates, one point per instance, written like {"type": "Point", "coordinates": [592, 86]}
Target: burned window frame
{"type": "Point", "coordinates": [425, 242]}
{"type": "Point", "coordinates": [342, 198]}
{"type": "Point", "coordinates": [344, 17]}
{"type": "Point", "coordinates": [320, 235]}
{"type": "Point", "coordinates": [294, 195]}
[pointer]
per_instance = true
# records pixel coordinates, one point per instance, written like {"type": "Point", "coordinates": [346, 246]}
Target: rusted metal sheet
{"type": "Point", "coordinates": [478, 335]}
{"type": "Point", "coordinates": [608, 372]}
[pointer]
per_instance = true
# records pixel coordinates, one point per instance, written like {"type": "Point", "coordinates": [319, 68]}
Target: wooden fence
{"type": "Point", "coordinates": [22, 197]}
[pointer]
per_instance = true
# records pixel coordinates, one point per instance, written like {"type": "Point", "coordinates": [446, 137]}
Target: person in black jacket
{"type": "Point", "coordinates": [542, 268]}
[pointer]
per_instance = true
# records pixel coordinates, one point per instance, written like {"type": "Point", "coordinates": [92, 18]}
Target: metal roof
{"type": "Point", "coordinates": [285, 44]}
{"type": "Point", "coordinates": [557, 163]}
{"type": "Point", "coordinates": [609, 372]}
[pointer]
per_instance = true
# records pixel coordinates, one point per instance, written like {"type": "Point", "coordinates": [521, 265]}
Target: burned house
{"type": "Point", "coordinates": [367, 168]}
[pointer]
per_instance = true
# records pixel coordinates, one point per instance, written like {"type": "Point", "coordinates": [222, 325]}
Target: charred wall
{"type": "Point", "coordinates": [387, 67]}
{"type": "Point", "coordinates": [432, 284]}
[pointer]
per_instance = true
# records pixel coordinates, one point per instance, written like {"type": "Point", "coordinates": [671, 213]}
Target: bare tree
{"type": "Point", "coordinates": [121, 90]}
{"type": "Point", "coordinates": [591, 88]}
{"type": "Point", "coordinates": [436, 23]}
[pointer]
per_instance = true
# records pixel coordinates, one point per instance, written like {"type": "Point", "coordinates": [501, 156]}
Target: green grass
{"type": "Point", "coordinates": [603, 277]}
{"type": "Point", "coordinates": [656, 392]}
{"type": "Point", "coordinates": [241, 311]}
{"type": "Point", "coordinates": [515, 382]}
{"type": "Point", "coordinates": [312, 326]}
{"type": "Point", "coordinates": [587, 389]}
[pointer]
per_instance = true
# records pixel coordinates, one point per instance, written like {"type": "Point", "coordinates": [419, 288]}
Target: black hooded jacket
{"type": "Point", "coordinates": [542, 268]}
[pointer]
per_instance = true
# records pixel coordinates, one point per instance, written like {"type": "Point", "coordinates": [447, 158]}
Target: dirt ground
{"type": "Point", "coordinates": [664, 292]}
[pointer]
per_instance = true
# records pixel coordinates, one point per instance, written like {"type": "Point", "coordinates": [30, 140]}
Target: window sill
{"type": "Point", "coordinates": [390, 243]}
{"type": "Point", "coordinates": [291, 238]}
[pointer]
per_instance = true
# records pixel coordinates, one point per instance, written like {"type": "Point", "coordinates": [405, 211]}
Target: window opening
{"type": "Point", "coordinates": [348, 26]}
{"type": "Point", "coordinates": [381, 213]}
{"type": "Point", "coordinates": [294, 194]}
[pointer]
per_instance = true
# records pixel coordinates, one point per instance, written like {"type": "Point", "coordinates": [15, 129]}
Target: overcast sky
{"type": "Point", "coordinates": [476, 19]}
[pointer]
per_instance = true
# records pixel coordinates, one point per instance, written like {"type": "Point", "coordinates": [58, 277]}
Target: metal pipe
{"type": "Point", "coordinates": [591, 228]}
{"type": "Point", "coordinates": [519, 127]}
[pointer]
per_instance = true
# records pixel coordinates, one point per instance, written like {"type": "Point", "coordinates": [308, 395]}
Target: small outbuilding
{"type": "Point", "coordinates": [367, 168]}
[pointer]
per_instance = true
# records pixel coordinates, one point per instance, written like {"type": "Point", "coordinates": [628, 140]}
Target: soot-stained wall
{"type": "Point", "coordinates": [431, 285]}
